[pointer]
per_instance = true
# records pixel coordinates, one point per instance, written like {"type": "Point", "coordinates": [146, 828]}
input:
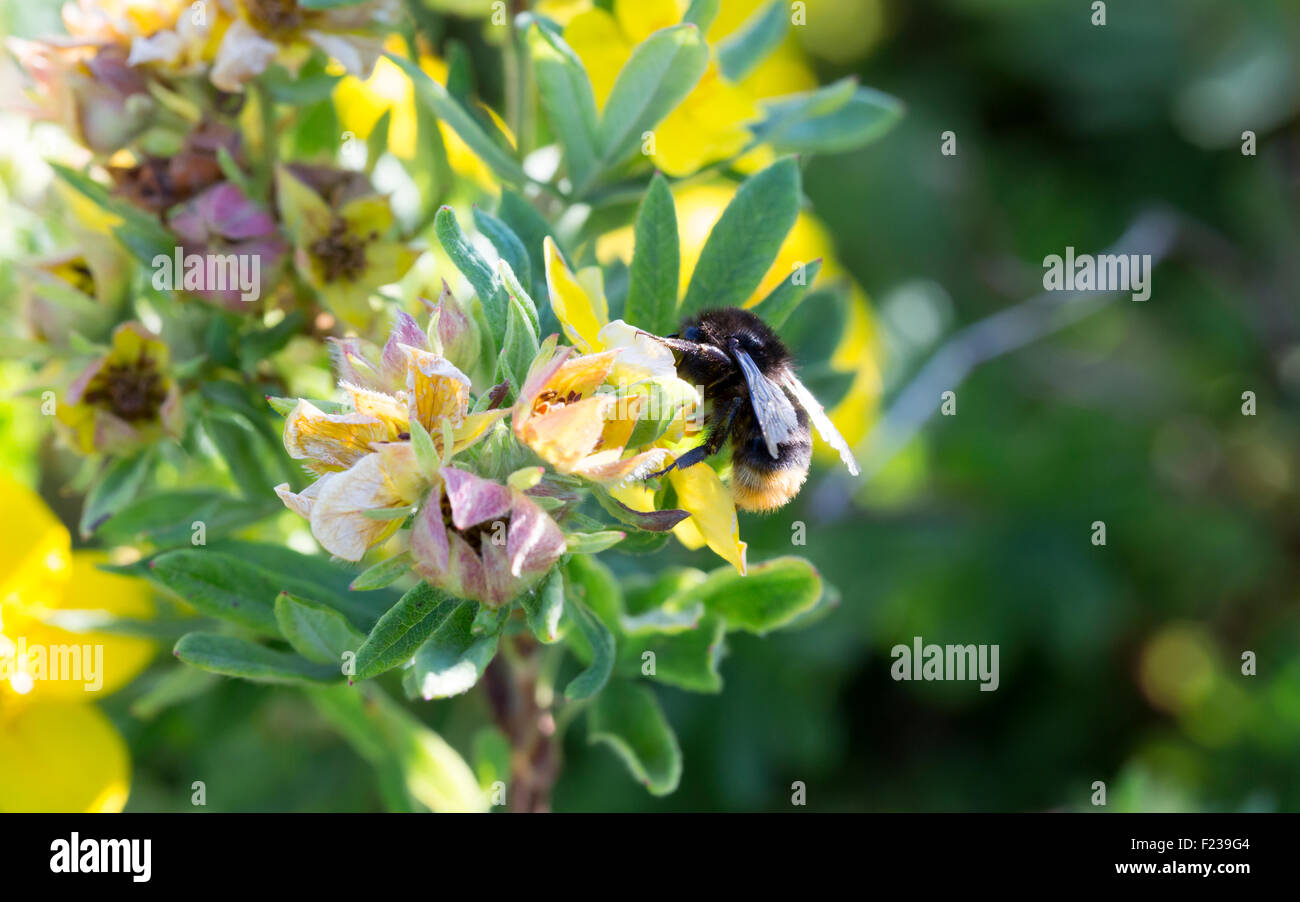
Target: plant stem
{"type": "Point", "coordinates": [524, 715]}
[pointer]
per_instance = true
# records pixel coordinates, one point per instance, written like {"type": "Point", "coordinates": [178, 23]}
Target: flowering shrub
{"type": "Point", "coordinates": [469, 426]}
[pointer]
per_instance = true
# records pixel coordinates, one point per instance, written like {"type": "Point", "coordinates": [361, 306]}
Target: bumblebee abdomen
{"type": "Point", "coordinates": [761, 482]}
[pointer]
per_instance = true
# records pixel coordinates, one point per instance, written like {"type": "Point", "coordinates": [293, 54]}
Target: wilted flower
{"type": "Point", "coordinates": [364, 457]}
{"type": "Point", "coordinates": [91, 91]}
{"type": "Point", "coordinates": [124, 398]}
{"type": "Point", "coordinates": [157, 183]}
{"type": "Point", "coordinates": [482, 540]}
{"type": "Point", "coordinates": [284, 31]}
{"type": "Point", "coordinates": [342, 247]}
{"type": "Point", "coordinates": [76, 290]}
{"type": "Point", "coordinates": [223, 221]}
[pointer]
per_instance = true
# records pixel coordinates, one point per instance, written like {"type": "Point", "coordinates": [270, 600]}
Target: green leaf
{"type": "Point", "coordinates": [491, 756]}
{"type": "Point", "coordinates": [591, 582]}
{"type": "Point", "coordinates": [568, 100]}
{"type": "Point", "coordinates": [509, 247]}
{"type": "Point", "coordinates": [782, 300]}
{"type": "Point", "coordinates": [385, 573]}
{"type": "Point", "coordinates": [661, 407]}
{"type": "Point", "coordinates": [420, 762]}
{"type": "Point", "coordinates": [519, 346]}
{"type": "Point", "coordinates": [593, 542]}
{"type": "Point", "coordinates": [868, 115]}
{"type": "Point", "coordinates": [544, 607]}
{"type": "Point", "coordinates": [496, 304]}
{"type": "Point", "coordinates": [532, 229]}
{"type": "Point", "coordinates": [377, 140]}
{"type": "Point", "coordinates": [661, 71]}
{"type": "Point", "coordinates": [168, 518]}
{"type": "Point", "coordinates": [239, 446]}
{"type": "Point", "coordinates": [141, 232]}
{"type": "Point", "coordinates": [656, 262]}
{"type": "Point", "coordinates": [256, 347]}
{"type": "Point", "coordinates": [628, 718]}
{"type": "Point", "coordinates": [462, 122]}
{"type": "Point", "coordinates": [518, 294]}
{"type": "Point", "coordinates": [663, 619]}
{"type": "Point", "coordinates": [312, 576]}
{"type": "Point", "coordinates": [702, 13]}
{"type": "Point", "coordinates": [403, 629]}
{"type": "Point", "coordinates": [601, 642]}
{"type": "Point", "coordinates": [687, 659]}
{"type": "Point", "coordinates": [220, 585]}
{"type": "Point", "coordinates": [235, 657]}
{"type": "Point", "coordinates": [115, 487]}
{"type": "Point", "coordinates": [750, 44]}
{"type": "Point", "coordinates": [452, 659]}
{"type": "Point", "coordinates": [745, 240]}
{"type": "Point", "coordinates": [786, 110]}
{"type": "Point", "coordinates": [770, 596]}
{"type": "Point", "coordinates": [426, 453]}
{"type": "Point", "coordinates": [317, 632]}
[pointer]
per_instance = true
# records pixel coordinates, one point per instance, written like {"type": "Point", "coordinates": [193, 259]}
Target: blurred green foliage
{"type": "Point", "coordinates": [1119, 663]}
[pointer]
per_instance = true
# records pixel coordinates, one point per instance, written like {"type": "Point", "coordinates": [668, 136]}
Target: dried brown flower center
{"type": "Point", "coordinates": [342, 253]}
{"type": "Point", "coordinates": [275, 15]}
{"type": "Point", "coordinates": [133, 391]}
{"type": "Point", "coordinates": [474, 536]}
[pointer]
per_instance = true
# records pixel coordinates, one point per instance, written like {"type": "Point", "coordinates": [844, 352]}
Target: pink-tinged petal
{"type": "Point", "coordinates": [351, 363]}
{"type": "Point", "coordinates": [539, 374]}
{"type": "Point", "coordinates": [534, 542]}
{"type": "Point", "coordinates": [234, 215]}
{"type": "Point", "coordinates": [190, 223]}
{"type": "Point", "coordinates": [113, 433]}
{"type": "Point", "coordinates": [300, 503]}
{"type": "Point", "coordinates": [429, 546]}
{"type": "Point", "coordinates": [501, 586]}
{"type": "Point", "coordinates": [170, 414]}
{"type": "Point", "coordinates": [474, 500]}
{"type": "Point", "coordinates": [394, 360]}
{"type": "Point", "coordinates": [468, 579]}
{"type": "Point", "coordinates": [78, 386]}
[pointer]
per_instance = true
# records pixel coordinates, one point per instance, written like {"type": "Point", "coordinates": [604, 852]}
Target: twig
{"type": "Point", "coordinates": [1153, 232]}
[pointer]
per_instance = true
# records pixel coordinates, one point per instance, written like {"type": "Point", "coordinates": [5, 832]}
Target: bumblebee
{"type": "Point", "coordinates": [755, 399]}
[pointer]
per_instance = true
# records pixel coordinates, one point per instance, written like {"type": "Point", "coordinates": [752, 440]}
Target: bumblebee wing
{"type": "Point", "coordinates": [776, 416]}
{"type": "Point", "coordinates": [825, 428]}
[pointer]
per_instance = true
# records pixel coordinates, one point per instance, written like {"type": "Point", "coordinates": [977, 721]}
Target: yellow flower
{"type": "Point", "coordinates": [699, 206]}
{"type": "Point", "coordinates": [563, 419]}
{"type": "Point", "coordinates": [125, 397]}
{"type": "Point", "coordinates": [361, 103]}
{"type": "Point", "coordinates": [58, 752]}
{"type": "Point", "coordinates": [711, 123]}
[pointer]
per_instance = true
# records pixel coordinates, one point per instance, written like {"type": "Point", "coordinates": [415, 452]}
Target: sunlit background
{"type": "Point", "coordinates": [1119, 663]}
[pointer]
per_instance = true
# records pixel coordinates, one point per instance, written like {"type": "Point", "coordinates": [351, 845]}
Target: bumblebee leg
{"type": "Point", "coordinates": [711, 446]}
